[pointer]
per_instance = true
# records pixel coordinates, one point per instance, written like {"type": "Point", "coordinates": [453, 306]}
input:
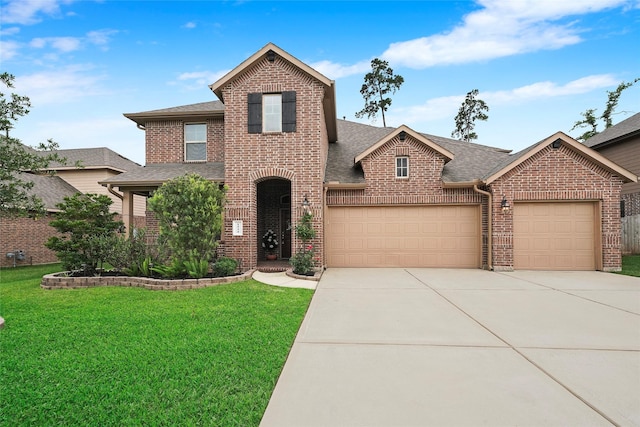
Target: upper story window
{"type": "Point", "coordinates": [195, 142]}
{"type": "Point", "coordinates": [402, 167]}
{"type": "Point", "coordinates": [272, 112]}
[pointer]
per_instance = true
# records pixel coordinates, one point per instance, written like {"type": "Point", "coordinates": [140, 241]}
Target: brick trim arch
{"type": "Point", "coordinates": [269, 173]}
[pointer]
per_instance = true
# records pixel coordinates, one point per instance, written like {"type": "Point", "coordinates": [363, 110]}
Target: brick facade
{"type": "Point", "coordinates": [296, 157]}
{"type": "Point", "coordinates": [268, 173]}
{"type": "Point", "coordinates": [28, 235]}
{"type": "Point", "coordinates": [558, 175]}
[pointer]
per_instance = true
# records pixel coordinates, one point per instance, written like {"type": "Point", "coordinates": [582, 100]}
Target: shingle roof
{"type": "Point", "coordinates": [200, 107]}
{"type": "Point", "coordinates": [92, 158]}
{"type": "Point", "coordinates": [155, 174]}
{"type": "Point", "coordinates": [620, 130]}
{"type": "Point", "coordinates": [471, 161]}
{"type": "Point", "coordinates": [195, 111]}
{"type": "Point", "coordinates": [50, 189]}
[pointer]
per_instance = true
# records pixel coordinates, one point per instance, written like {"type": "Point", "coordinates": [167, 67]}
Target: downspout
{"type": "Point", "coordinates": [489, 225]}
{"type": "Point", "coordinates": [324, 227]}
{"type": "Point", "coordinates": [114, 192]}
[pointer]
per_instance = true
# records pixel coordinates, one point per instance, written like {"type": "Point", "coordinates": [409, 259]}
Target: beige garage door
{"type": "Point", "coordinates": [554, 236]}
{"type": "Point", "coordinates": [415, 236]}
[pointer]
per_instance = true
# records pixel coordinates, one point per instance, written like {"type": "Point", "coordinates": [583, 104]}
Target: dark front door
{"type": "Point", "coordinates": [285, 233]}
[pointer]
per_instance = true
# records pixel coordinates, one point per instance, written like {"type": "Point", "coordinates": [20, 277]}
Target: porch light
{"type": "Point", "coordinates": [305, 204]}
{"type": "Point", "coordinates": [403, 136]}
{"type": "Point", "coordinates": [504, 204]}
{"type": "Point", "coordinates": [271, 56]}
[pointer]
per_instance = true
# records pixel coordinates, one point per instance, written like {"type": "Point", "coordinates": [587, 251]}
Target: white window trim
{"type": "Point", "coordinates": [265, 105]}
{"type": "Point", "coordinates": [195, 142]}
{"type": "Point", "coordinates": [399, 168]}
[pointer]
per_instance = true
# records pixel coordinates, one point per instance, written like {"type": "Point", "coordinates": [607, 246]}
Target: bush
{"type": "Point", "coordinates": [87, 227]}
{"type": "Point", "coordinates": [302, 261]}
{"type": "Point", "coordinates": [189, 212]}
{"type": "Point", "coordinates": [225, 266]}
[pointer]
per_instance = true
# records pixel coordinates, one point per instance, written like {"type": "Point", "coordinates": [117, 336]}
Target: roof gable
{"type": "Point", "coordinates": [329, 101]}
{"type": "Point", "coordinates": [448, 155]}
{"type": "Point", "coordinates": [616, 133]}
{"type": "Point", "coordinates": [564, 139]}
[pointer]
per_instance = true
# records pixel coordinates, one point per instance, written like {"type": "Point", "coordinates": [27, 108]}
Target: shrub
{"type": "Point", "coordinates": [189, 212]}
{"type": "Point", "coordinates": [302, 260]}
{"type": "Point", "coordinates": [225, 266]}
{"type": "Point", "coordinates": [196, 268]}
{"type": "Point", "coordinates": [86, 225]}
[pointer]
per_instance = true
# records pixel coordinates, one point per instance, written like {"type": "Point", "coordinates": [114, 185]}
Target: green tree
{"type": "Point", "coordinates": [16, 158]}
{"type": "Point", "coordinates": [189, 211]}
{"type": "Point", "coordinates": [377, 84]}
{"type": "Point", "coordinates": [589, 118]}
{"type": "Point", "coordinates": [472, 109]}
{"type": "Point", "coordinates": [85, 225]}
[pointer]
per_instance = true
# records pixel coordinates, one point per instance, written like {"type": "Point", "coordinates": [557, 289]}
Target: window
{"type": "Point", "coordinates": [195, 142]}
{"type": "Point", "coordinates": [402, 167]}
{"type": "Point", "coordinates": [272, 113]}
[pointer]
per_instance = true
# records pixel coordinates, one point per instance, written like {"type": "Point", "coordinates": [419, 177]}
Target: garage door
{"type": "Point", "coordinates": [554, 236]}
{"type": "Point", "coordinates": [415, 236]}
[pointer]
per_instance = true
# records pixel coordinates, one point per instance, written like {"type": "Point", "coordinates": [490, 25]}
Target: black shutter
{"type": "Point", "coordinates": [288, 111]}
{"type": "Point", "coordinates": [255, 112]}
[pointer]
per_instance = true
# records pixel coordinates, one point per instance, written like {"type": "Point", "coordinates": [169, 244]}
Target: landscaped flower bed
{"type": "Point", "coordinates": [64, 281]}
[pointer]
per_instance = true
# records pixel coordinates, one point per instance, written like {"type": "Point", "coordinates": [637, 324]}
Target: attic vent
{"type": "Point", "coordinates": [556, 144]}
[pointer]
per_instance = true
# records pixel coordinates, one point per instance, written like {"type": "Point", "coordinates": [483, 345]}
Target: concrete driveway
{"type": "Point", "coordinates": [422, 347]}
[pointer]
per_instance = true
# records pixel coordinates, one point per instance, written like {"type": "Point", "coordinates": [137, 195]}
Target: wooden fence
{"type": "Point", "coordinates": [631, 234]}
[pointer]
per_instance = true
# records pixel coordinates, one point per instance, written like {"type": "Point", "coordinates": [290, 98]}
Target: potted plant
{"type": "Point", "coordinates": [270, 244]}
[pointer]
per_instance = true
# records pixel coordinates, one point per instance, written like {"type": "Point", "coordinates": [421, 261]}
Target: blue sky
{"type": "Point", "coordinates": [536, 63]}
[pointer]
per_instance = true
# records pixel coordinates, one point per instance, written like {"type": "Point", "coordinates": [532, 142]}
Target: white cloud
{"type": "Point", "coordinates": [501, 28]}
{"type": "Point", "coordinates": [61, 44]}
{"type": "Point", "coordinates": [549, 89]}
{"type": "Point", "coordinates": [11, 31]}
{"type": "Point", "coordinates": [200, 79]}
{"type": "Point", "coordinates": [447, 106]}
{"type": "Point", "coordinates": [189, 25]}
{"type": "Point", "coordinates": [336, 71]}
{"type": "Point", "coordinates": [100, 37]}
{"type": "Point", "coordinates": [61, 85]}
{"type": "Point", "coordinates": [8, 49]}
{"type": "Point", "coordinates": [69, 44]}
{"type": "Point", "coordinates": [27, 12]}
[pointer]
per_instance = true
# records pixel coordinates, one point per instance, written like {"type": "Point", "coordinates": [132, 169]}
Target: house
{"type": "Point", "coordinates": [621, 144]}
{"type": "Point", "coordinates": [380, 197]}
{"type": "Point", "coordinates": [26, 236]}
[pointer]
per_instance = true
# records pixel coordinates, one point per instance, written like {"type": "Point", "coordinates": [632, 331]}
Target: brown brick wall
{"type": "Point", "coordinates": [252, 158]}
{"type": "Point", "coordinates": [165, 140]}
{"type": "Point", "coordinates": [28, 235]}
{"type": "Point", "coordinates": [553, 175]}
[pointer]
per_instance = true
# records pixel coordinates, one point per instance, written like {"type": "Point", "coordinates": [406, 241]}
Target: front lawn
{"type": "Point", "coordinates": [631, 265]}
{"type": "Point", "coordinates": [130, 356]}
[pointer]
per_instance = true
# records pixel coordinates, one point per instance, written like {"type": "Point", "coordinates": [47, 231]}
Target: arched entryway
{"type": "Point", "coordinates": [274, 213]}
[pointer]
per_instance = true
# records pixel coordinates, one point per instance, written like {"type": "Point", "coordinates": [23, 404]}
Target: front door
{"type": "Point", "coordinates": [285, 233]}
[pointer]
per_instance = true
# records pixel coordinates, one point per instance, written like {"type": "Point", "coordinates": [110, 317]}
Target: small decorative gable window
{"type": "Point", "coordinates": [272, 112]}
{"type": "Point", "coordinates": [402, 167]}
{"type": "Point", "coordinates": [195, 142]}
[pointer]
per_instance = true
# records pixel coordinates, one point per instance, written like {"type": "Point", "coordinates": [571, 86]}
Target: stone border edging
{"type": "Point", "coordinates": [55, 281]}
{"type": "Point", "coordinates": [316, 277]}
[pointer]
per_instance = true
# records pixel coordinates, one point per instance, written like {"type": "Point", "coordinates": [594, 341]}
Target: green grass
{"type": "Point", "coordinates": [631, 265]}
{"type": "Point", "coordinates": [130, 356]}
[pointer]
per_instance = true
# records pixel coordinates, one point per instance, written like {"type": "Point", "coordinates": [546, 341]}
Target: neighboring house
{"type": "Point", "coordinates": [621, 144]}
{"type": "Point", "coordinates": [29, 235]}
{"type": "Point", "coordinates": [380, 197]}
